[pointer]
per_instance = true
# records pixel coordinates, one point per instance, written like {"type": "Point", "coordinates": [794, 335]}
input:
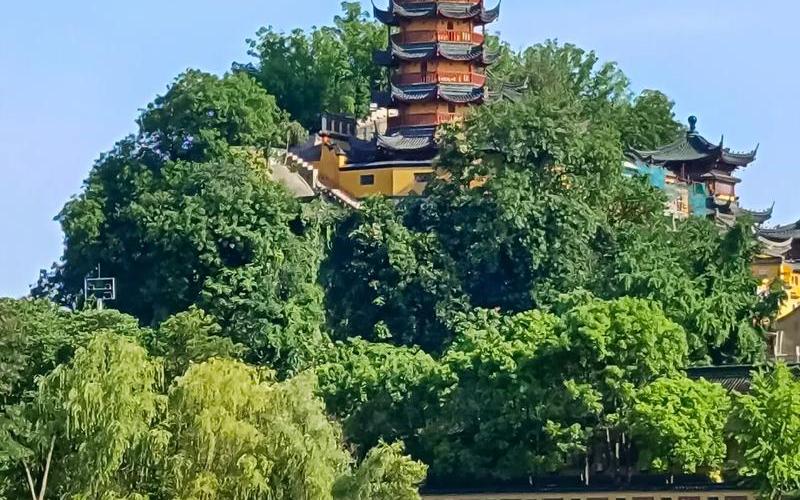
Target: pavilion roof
{"type": "Point", "coordinates": [410, 143]}
{"type": "Point", "coordinates": [451, 10]}
{"type": "Point", "coordinates": [454, 51]}
{"type": "Point", "coordinates": [693, 147]}
{"type": "Point", "coordinates": [780, 233]}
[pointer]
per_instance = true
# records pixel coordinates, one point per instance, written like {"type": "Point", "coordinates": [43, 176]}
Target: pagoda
{"type": "Point", "coordinates": [436, 59]}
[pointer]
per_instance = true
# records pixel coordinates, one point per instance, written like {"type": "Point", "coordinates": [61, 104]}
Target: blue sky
{"type": "Point", "coordinates": [74, 74]}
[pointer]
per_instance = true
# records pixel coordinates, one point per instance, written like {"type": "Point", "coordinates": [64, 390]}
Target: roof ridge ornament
{"type": "Point", "coordinates": [693, 124]}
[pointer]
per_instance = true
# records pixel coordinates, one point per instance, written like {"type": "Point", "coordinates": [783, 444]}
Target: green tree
{"type": "Point", "coordinates": [201, 112]}
{"type": "Point", "coordinates": [190, 337]}
{"type": "Point", "coordinates": [766, 426]}
{"type": "Point", "coordinates": [510, 414]}
{"type": "Point", "coordinates": [213, 234]}
{"type": "Point", "coordinates": [384, 474]}
{"type": "Point", "coordinates": [328, 69]}
{"type": "Point", "coordinates": [237, 433]}
{"type": "Point", "coordinates": [702, 279]}
{"type": "Point", "coordinates": [45, 336]}
{"type": "Point", "coordinates": [643, 121]}
{"type": "Point", "coordinates": [386, 282]}
{"type": "Point", "coordinates": [383, 392]}
{"type": "Point", "coordinates": [679, 425]}
{"type": "Point", "coordinates": [90, 416]}
{"type": "Point", "coordinates": [514, 249]}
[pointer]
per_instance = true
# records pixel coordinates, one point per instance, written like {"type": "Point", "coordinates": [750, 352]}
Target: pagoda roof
{"type": "Point", "coordinates": [451, 10]}
{"type": "Point", "coordinates": [774, 249]}
{"type": "Point", "coordinates": [460, 93]}
{"type": "Point", "coordinates": [410, 144]}
{"type": "Point", "coordinates": [693, 147]}
{"type": "Point", "coordinates": [453, 51]}
{"type": "Point", "coordinates": [732, 213]}
{"type": "Point", "coordinates": [758, 216]}
{"type": "Point", "coordinates": [781, 233]}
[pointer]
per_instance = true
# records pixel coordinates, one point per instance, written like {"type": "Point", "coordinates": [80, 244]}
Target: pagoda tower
{"type": "Point", "coordinates": [437, 59]}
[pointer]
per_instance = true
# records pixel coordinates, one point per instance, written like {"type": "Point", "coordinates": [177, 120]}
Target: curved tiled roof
{"type": "Point", "coordinates": [788, 231]}
{"type": "Point", "coordinates": [413, 143]}
{"type": "Point", "coordinates": [450, 10]}
{"type": "Point", "coordinates": [694, 147]}
{"type": "Point", "coordinates": [451, 92]}
{"type": "Point", "coordinates": [453, 51]}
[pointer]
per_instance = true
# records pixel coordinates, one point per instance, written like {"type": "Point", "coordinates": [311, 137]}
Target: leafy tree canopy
{"type": "Point", "coordinates": [680, 425]}
{"type": "Point", "coordinates": [767, 430]}
{"type": "Point", "coordinates": [328, 69]}
{"type": "Point", "coordinates": [104, 425]}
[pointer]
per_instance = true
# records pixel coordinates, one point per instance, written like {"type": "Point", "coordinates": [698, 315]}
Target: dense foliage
{"type": "Point", "coordinates": [328, 69]}
{"type": "Point", "coordinates": [533, 312]}
{"type": "Point", "coordinates": [767, 431]}
{"type": "Point", "coordinates": [107, 423]}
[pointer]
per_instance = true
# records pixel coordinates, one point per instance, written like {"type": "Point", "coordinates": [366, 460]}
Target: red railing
{"type": "Point", "coordinates": [439, 77]}
{"type": "Point", "coordinates": [422, 119]}
{"type": "Point", "coordinates": [428, 36]}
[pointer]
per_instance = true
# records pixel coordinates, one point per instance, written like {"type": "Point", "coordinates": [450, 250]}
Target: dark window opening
{"type": "Point", "coordinates": [423, 177]}
{"type": "Point", "coordinates": [367, 180]}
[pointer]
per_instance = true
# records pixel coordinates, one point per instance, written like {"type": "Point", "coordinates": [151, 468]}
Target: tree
{"type": "Point", "coordinates": [643, 121]}
{"type": "Point", "coordinates": [101, 426]}
{"type": "Point", "coordinates": [766, 426]}
{"type": "Point", "coordinates": [183, 214]}
{"type": "Point", "coordinates": [384, 474]}
{"type": "Point", "coordinates": [91, 415]}
{"type": "Point", "coordinates": [329, 69]}
{"type": "Point", "coordinates": [386, 282]}
{"type": "Point", "coordinates": [702, 279]}
{"type": "Point", "coordinates": [213, 234]}
{"type": "Point", "coordinates": [236, 433]}
{"type": "Point", "coordinates": [201, 112]}
{"type": "Point", "coordinates": [510, 414]}
{"type": "Point", "coordinates": [45, 336]}
{"type": "Point", "coordinates": [190, 337]}
{"type": "Point", "coordinates": [679, 425]}
{"type": "Point", "coordinates": [383, 393]}
{"type": "Point", "coordinates": [515, 250]}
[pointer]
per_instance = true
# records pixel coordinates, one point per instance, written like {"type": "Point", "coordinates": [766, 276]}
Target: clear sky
{"type": "Point", "coordinates": [73, 75]}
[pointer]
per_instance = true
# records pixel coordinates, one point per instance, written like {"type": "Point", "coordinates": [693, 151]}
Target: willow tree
{"type": "Point", "coordinates": [90, 416]}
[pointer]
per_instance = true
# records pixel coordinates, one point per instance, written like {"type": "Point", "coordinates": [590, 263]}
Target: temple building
{"type": "Point", "coordinates": [699, 178]}
{"type": "Point", "coordinates": [436, 59]}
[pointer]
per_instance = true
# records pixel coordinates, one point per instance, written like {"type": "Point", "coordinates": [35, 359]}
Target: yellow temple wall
{"type": "Point", "coordinates": [329, 165]}
{"type": "Point", "coordinates": [388, 181]}
{"type": "Point", "coordinates": [769, 270]}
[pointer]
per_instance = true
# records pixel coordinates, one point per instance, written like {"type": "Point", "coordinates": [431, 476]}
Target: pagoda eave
{"type": "Point", "coordinates": [448, 10]}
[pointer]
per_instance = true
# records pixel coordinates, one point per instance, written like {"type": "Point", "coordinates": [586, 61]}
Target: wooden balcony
{"type": "Point", "coordinates": [439, 77]}
{"type": "Point", "coordinates": [422, 119]}
{"type": "Point", "coordinates": [430, 36]}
